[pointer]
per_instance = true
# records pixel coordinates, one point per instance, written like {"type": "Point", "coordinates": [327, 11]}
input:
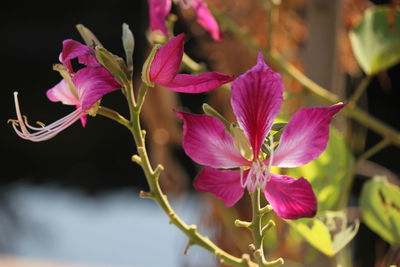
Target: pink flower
{"type": "Point", "coordinates": [81, 89]}
{"type": "Point", "coordinates": [73, 49]}
{"type": "Point", "coordinates": [165, 66]}
{"type": "Point", "coordinates": [159, 10]}
{"type": "Point", "coordinates": [256, 100]}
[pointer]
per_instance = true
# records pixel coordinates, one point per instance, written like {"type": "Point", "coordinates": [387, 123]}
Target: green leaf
{"type": "Point", "coordinates": [329, 172]}
{"type": "Point", "coordinates": [380, 205]}
{"type": "Point", "coordinates": [376, 39]}
{"type": "Point", "coordinates": [329, 233]}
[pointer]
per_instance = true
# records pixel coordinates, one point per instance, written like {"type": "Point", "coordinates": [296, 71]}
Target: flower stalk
{"type": "Point", "coordinates": [258, 230]}
{"type": "Point", "coordinates": [152, 176]}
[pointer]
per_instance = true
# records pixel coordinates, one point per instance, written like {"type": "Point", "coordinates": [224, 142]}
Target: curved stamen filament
{"type": "Point", "coordinates": [43, 132]}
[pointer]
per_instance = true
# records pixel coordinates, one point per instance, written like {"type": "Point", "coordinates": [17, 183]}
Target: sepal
{"type": "Point", "coordinates": [147, 66]}
{"type": "Point", "coordinates": [113, 64]}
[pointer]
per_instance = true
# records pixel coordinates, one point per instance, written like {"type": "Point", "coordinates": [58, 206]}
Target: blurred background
{"type": "Point", "coordinates": [74, 199]}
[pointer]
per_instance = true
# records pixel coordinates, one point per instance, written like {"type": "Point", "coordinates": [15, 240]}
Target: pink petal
{"type": "Point", "coordinates": [199, 83]}
{"type": "Point", "coordinates": [305, 136]}
{"type": "Point", "coordinates": [159, 10]}
{"type": "Point", "coordinates": [223, 184]}
{"type": "Point", "coordinates": [92, 84]}
{"type": "Point", "coordinates": [291, 198]}
{"type": "Point", "coordinates": [83, 118]}
{"type": "Point", "coordinates": [206, 141]}
{"type": "Point", "coordinates": [62, 92]}
{"type": "Point", "coordinates": [206, 19]}
{"type": "Point", "coordinates": [167, 61]}
{"type": "Point", "coordinates": [73, 49]}
{"type": "Point", "coordinates": [256, 99]}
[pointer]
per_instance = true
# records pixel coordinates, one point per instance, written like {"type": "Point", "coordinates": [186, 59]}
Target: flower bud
{"type": "Point", "coordinates": [128, 41]}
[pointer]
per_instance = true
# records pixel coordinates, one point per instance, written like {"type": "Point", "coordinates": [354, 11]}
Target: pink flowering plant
{"type": "Point", "coordinates": [256, 99]}
{"type": "Point", "coordinates": [250, 155]}
{"type": "Point", "coordinates": [82, 89]}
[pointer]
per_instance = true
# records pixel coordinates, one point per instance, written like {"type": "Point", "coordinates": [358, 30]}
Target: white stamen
{"type": "Point", "coordinates": [43, 132]}
{"type": "Point", "coordinates": [259, 173]}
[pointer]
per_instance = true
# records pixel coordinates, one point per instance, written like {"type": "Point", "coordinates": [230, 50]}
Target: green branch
{"type": "Point", "coordinates": [113, 115]}
{"type": "Point", "coordinates": [152, 177]}
{"type": "Point", "coordinates": [386, 131]}
{"type": "Point", "coordinates": [258, 230]}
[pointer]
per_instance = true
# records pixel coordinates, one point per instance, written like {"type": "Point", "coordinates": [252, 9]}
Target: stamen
{"type": "Point", "coordinates": [44, 132]}
{"type": "Point", "coordinates": [259, 173]}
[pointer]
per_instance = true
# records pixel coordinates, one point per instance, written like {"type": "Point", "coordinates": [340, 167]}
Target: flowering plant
{"type": "Point", "coordinates": [255, 154]}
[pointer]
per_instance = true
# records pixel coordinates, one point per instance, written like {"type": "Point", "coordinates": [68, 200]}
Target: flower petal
{"type": "Point", "coordinates": [206, 19]}
{"type": "Point", "coordinates": [256, 99]}
{"type": "Point", "coordinates": [92, 84]}
{"type": "Point", "coordinates": [62, 92]}
{"type": "Point", "coordinates": [224, 184]}
{"type": "Point", "coordinates": [199, 83]}
{"type": "Point", "coordinates": [83, 119]}
{"type": "Point", "coordinates": [290, 198]}
{"type": "Point", "coordinates": [73, 49]}
{"type": "Point", "coordinates": [159, 10]}
{"type": "Point", "coordinates": [206, 141]}
{"type": "Point", "coordinates": [167, 61]}
{"type": "Point", "coordinates": [305, 136]}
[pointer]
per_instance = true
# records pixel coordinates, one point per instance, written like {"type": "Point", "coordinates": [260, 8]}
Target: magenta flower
{"type": "Point", "coordinates": [159, 10]}
{"type": "Point", "coordinates": [165, 66]}
{"type": "Point", "coordinates": [256, 100]}
{"type": "Point", "coordinates": [82, 89]}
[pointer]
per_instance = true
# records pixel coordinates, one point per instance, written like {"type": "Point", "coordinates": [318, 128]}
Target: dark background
{"type": "Point", "coordinates": [93, 158]}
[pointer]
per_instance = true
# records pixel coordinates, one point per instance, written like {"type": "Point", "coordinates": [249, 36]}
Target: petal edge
{"type": "Point", "coordinates": [223, 184]}
{"type": "Point", "coordinates": [206, 141]}
{"type": "Point", "coordinates": [291, 198]}
{"type": "Point", "coordinates": [305, 136]}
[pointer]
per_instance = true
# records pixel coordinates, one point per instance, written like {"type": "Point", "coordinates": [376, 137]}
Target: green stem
{"type": "Point", "coordinates": [354, 112]}
{"type": "Point", "coordinates": [192, 65]}
{"type": "Point", "coordinates": [360, 90]}
{"type": "Point", "coordinates": [373, 150]}
{"type": "Point", "coordinates": [269, 6]}
{"type": "Point", "coordinates": [256, 220]}
{"type": "Point", "coordinates": [113, 115]}
{"type": "Point", "coordinates": [321, 93]}
{"type": "Point", "coordinates": [229, 26]}
{"type": "Point", "coordinates": [258, 230]}
{"type": "Point", "coordinates": [152, 177]}
{"type": "Point", "coordinates": [141, 94]}
{"type": "Point", "coordinates": [350, 179]}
